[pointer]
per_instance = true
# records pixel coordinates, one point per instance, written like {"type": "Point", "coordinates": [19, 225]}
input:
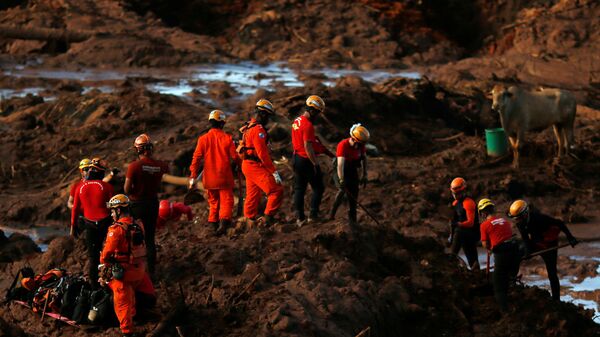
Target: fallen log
{"type": "Point", "coordinates": [44, 34]}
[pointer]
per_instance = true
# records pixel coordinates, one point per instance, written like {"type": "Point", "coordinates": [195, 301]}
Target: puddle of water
{"type": "Point", "coordinates": [244, 77]}
{"type": "Point", "coordinates": [8, 93]}
{"type": "Point", "coordinates": [39, 235]}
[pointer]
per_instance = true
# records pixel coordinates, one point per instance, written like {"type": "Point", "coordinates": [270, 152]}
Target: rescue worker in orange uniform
{"type": "Point", "coordinates": [217, 150]}
{"type": "Point", "coordinates": [142, 183]}
{"type": "Point", "coordinates": [125, 253]}
{"type": "Point", "coordinates": [90, 203]}
{"type": "Point", "coordinates": [172, 211]}
{"type": "Point", "coordinates": [84, 165]}
{"type": "Point", "coordinates": [540, 231]}
{"type": "Point", "coordinates": [306, 168]}
{"type": "Point", "coordinates": [258, 167]}
{"type": "Point", "coordinates": [465, 223]}
{"type": "Point", "coordinates": [497, 237]}
{"type": "Point", "coordinates": [351, 155]}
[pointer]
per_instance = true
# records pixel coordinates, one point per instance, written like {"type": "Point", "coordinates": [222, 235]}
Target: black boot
{"type": "Point", "coordinates": [213, 225]}
{"type": "Point", "coordinates": [223, 225]}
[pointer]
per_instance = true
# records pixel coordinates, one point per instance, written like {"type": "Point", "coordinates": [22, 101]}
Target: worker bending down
{"type": "Point", "coordinates": [464, 224]}
{"type": "Point", "coordinates": [351, 155]}
{"type": "Point", "coordinates": [172, 211]}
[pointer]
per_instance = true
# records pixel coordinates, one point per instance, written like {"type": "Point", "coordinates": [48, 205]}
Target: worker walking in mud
{"type": "Point", "coordinates": [497, 237]}
{"type": "Point", "coordinates": [216, 151]}
{"type": "Point", "coordinates": [124, 264]}
{"type": "Point", "coordinates": [540, 231]}
{"type": "Point", "coordinates": [172, 211]}
{"type": "Point", "coordinates": [464, 224]}
{"type": "Point", "coordinates": [90, 203]}
{"type": "Point", "coordinates": [258, 167]}
{"type": "Point", "coordinates": [351, 156]}
{"type": "Point", "coordinates": [142, 184]}
{"type": "Point", "coordinates": [306, 167]}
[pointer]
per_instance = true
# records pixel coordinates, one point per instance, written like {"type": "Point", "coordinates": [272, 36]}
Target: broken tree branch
{"type": "Point", "coordinates": [44, 34]}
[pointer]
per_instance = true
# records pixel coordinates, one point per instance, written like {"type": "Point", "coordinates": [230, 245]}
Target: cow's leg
{"type": "Point", "coordinates": [514, 144]}
{"type": "Point", "coordinates": [558, 132]}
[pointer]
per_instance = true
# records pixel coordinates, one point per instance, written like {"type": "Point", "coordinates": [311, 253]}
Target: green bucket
{"type": "Point", "coordinates": [497, 144]}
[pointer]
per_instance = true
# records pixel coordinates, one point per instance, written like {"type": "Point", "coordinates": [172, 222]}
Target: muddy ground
{"type": "Point", "coordinates": [320, 280]}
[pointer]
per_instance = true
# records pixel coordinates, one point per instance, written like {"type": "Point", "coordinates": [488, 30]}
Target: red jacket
{"type": "Point", "coordinates": [217, 150]}
{"type": "Point", "coordinates": [255, 140]}
{"type": "Point", "coordinates": [90, 200]}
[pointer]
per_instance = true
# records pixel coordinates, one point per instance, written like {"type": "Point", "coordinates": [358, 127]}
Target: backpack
{"type": "Point", "coordinates": [70, 289]}
{"type": "Point", "coordinates": [135, 237]}
{"type": "Point", "coordinates": [101, 307]}
{"type": "Point", "coordinates": [82, 305]}
{"type": "Point", "coordinates": [47, 297]}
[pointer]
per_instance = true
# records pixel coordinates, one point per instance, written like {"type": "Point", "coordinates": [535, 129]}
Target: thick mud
{"type": "Point", "coordinates": [412, 72]}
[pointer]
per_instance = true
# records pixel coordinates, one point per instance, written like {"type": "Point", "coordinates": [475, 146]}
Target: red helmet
{"type": "Point", "coordinates": [458, 184]}
{"type": "Point", "coordinates": [164, 209]}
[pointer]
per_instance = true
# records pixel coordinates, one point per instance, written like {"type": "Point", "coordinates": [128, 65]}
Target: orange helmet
{"type": "Point", "coordinates": [359, 133]}
{"type": "Point", "coordinates": [518, 209]}
{"type": "Point", "coordinates": [164, 209]}
{"type": "Point", "coordinates": [316, 103]}
{"type": "Point", "coordinates": [118, 201]}
{"type": "Point", "coordinates": [458, 184]}
{"type": "Point", "coordinates": [98, 164]}
{"type": "Point", "coordinates": [216, 115]}
{"type": "Point", "coordinates": [265, 105]}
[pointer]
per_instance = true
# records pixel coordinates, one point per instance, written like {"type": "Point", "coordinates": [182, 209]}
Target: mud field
{"type": "Point", "coordinates": [417, 74]}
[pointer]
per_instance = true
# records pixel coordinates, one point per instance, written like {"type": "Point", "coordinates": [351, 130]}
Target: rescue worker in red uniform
{"type": "Point", "coordinates": [125, 253]}
{"type": "Point", "coordinates": [258, 167]}
{"type": "Point", "coordinates": [540, 231]}
{"type": "Point", "coordinates": [172, 211]}
{"type": "Point", "coordinates": [84, 165]}
{"type": "Point", "coordinates": [351, 155]}
{"type": "Point", "coordinates": [142, 183]}
{"type": "Point", "coordinates": [90, 203]}
{"type": "Point", "coordinates": [217, 151]}
{"type": "Point", "coordinates": [464, 223]}
{"type": "Point", "coordinates": [497, 237]}
{"type": "Point", "coordinates": [306, 168]}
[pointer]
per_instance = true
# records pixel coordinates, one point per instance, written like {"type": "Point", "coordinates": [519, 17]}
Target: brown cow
{"type": "Point", "coordinates": [521, 110]}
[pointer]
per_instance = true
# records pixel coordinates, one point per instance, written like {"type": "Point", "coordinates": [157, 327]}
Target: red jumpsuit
{"type": "Point", "coordinates": [258, 170]}
{"type": "Point", "coordinates": [168, 211]}
{"type": "Point", "coordinates": [217, 150]}
{"type": "Point", "coordinates": [136, 277]}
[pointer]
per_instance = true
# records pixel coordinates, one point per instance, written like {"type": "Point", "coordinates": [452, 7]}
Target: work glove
{"type": "Point", "coordinates": [572, 240]}
{"type": "Point", "coordinates": [191, 184]}
{"type": "Point", "coordinates": [277, 177]}
{"type": "Point", "coordinates": [364, 180]}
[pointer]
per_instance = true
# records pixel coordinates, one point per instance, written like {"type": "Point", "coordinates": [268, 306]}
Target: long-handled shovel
{"type": "Point", "coordinates": [361, 206]}
{"type": "Point", "coordinates": [546, 250]}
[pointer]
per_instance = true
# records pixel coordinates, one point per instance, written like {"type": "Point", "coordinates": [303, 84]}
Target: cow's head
{"type": "Point", "coordinates": [500, 97]}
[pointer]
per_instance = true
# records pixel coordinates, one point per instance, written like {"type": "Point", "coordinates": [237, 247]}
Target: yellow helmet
{"type": "Point", "coordinates": [265, 105]}
{"type": "Point", "coordinates": [316, 102]}
{"type": "Point", "coordinates": [217, 115]}
{"type": "Point", "coordinates": [119, 200]}
{"type": "Point", "coordinates": [518, 209]}
{"type": "Point", "coordinates": [98, 164]}
{"type": "Point", "coordinates": [359, 133]}
{"type": "Point", "coordinates": [84, 163]}
{"type": "Point", "coordinates": [483, 203]}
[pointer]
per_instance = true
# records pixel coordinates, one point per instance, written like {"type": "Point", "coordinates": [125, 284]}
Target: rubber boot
{"type": "Point", "coordinates": [339, 198]}
{"type": "Point", "coordinates": [223, 225]}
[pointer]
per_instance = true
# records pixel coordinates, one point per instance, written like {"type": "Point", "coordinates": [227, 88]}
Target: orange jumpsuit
{"type": "Point", "coordinates": [136, 277]}
{"type": "Point", "coordinates": [218, 151]}
{"type": "Point", "coordinates": [258, 169]}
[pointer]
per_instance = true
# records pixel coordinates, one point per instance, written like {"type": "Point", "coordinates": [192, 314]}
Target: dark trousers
{"type": "Point", "coordinates": [95, 234]}
{"type": "Point", "coordinates": [506, 267]}
{"type": "Point", "coordinates": [352, 183]}
{"type": "Point", "coordinates": [304, 174]}
{"type": "Point", "coordinates": [147, 211]}
{"type": "Point", "coordinates": [466, 238]}
{"type": "Point", "coordinates": [550, 259]}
